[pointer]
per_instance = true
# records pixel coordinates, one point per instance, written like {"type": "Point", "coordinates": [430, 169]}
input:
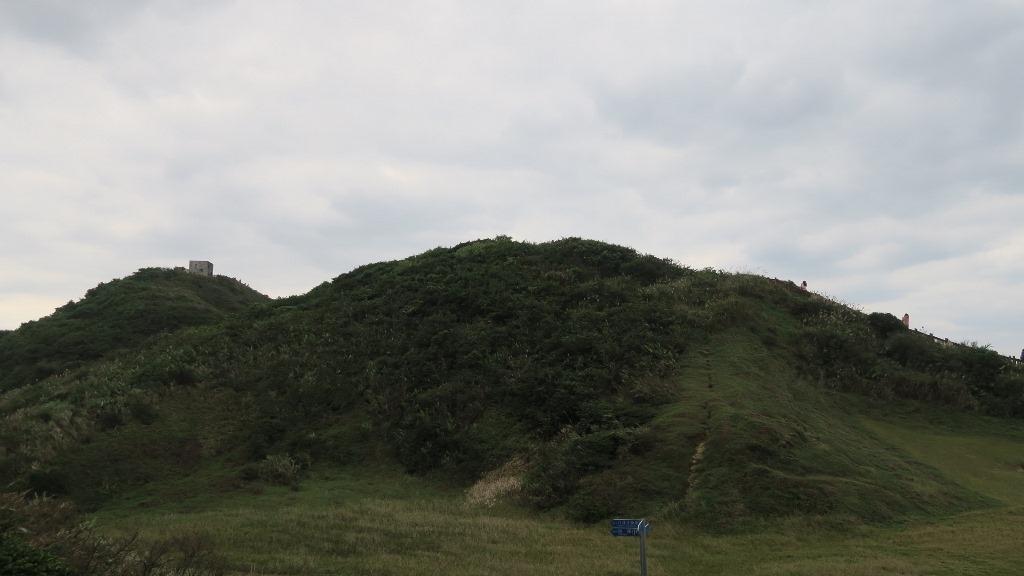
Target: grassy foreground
{"type": "Point", "coordinates": [388, 524]}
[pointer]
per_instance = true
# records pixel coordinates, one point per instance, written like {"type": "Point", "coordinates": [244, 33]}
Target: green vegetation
{"type": "Point", "coordinates": [499, 387]}
{"type": "Point", "coordinates": [379, 521]}
{"type": "Point", "coordinates": [18, 558]}
{"type": "Point", "coordinates": [40, 536]}
{"type": "Point", "coordinates": [114, 317]}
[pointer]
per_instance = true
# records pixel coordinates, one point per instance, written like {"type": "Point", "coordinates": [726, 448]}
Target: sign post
{"type": "Point", "coordinates": [632, 527]}
{"type": "Point", "coordinates": [643, 548]}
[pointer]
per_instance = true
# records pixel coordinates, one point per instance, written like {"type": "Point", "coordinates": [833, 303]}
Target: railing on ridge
{"type": "Point", "coordinates": [946, 342]}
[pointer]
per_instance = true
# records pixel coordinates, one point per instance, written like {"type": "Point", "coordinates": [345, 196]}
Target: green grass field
{"type": "Point", "coordinates": [388, 523]}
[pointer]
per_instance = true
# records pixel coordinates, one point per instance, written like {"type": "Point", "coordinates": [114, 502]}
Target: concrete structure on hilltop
{"type": "Point", "coordinates": [200, 267]}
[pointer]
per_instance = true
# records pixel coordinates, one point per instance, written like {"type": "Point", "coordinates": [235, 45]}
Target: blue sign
{"type": "Point", "coordinates": [629, 527]}
{"type": "Point", "coordinates": [625, 523]}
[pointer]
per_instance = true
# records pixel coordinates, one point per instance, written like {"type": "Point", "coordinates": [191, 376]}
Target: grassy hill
{"type": "Point", "coordinates": [573, 378]}
{"type": "Point", "coordinates": [114, 317]}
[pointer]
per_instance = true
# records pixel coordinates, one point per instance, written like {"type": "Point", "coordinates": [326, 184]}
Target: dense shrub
{"type": "Point", "coordinates": [885, 324]}
{"type": "Point", "coordinates": [18, 558]}
{"type": "Point", "coordinates": [913, 351]}
{"type": "Point", "coordinates": [280, 469]}
{"type": "Point", "coordinates": [50, 481]}
{"type": "Point", "coordinates": [961, 375]}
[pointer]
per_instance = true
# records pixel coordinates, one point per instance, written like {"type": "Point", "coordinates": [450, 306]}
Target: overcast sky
{"type": "Point", "coordinates": [871, 148]}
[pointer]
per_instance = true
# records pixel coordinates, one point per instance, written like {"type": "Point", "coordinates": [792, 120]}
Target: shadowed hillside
{"type": "Point", "coordinates": [572, 375]}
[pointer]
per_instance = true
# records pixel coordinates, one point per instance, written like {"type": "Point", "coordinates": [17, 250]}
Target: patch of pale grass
{"type": "Point", "coordinates": [495, 485]}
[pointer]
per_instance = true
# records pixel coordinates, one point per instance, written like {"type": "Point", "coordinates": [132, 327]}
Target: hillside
{"type": "Point", "coordinates": [574, 376]}
{"type": "Point", "coordinates": [117, 316]}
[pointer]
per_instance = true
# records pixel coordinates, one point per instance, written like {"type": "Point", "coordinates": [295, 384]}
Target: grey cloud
{"type": "Point", "coordinates": [720, 107]}
{"type": "Point", "coordinates": [903, 157]}
{"type": "Point", "coordinates": [967, 103]}
{"type": "Point", "coordinates": [953, 45]}
{"type": "Point", "coordinates": [83, 29]}
{"type": "Point", "coordinates": [78, 27]}
{"type": "Point", "coordinates": [674, 108]}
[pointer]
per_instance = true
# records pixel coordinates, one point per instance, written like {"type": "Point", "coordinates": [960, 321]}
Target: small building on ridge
{"type": "Point", "coordinates": [200, 267]}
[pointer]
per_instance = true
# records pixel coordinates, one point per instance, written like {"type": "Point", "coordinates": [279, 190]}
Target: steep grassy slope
{"type": "Point", "coordinates": [585, 376]}
{"type": "Point", "coordinates": [117, 316]}
{"type": "Point", "coordinates": [775, 444]}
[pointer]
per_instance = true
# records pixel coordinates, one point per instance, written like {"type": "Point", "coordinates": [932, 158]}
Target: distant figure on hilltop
{"type": "Point", "coordinates": [1022, 353]}
{"type": "Point", "coordinates": [906, 320]}
{"type": "Point", "coordinates": [803, 285]}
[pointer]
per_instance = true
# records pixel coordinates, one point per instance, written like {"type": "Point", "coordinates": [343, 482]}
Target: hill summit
{"type": "Point", "coordinates": [116, 316]}
{"type": "Point", "coordinates": [573, 375]}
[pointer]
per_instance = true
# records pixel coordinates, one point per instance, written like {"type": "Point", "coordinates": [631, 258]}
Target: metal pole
{"type": "Point", "coordinates": [643, 548]}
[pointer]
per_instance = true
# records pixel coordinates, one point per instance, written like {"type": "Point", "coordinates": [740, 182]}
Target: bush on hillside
{"type": "Point", "coordinates": [960, 375]}
{"type": "Point", "coordinates": [19, 558]}
{"type": "Point", "coordinates": [913, 351]}
{"type": "Point", "coordinates": [279, 469]}
{"type": "Point", "coordinates": [885, 324]}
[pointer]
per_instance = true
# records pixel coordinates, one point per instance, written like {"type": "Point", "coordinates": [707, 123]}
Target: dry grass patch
{"type": "Point", "coordinates": [498, 484]}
